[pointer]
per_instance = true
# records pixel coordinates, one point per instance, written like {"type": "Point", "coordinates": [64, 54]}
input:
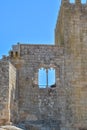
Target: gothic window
{"type": "Point", "coordinates": [51, 77]}
{"type": "Point", "coordinates": [42, 78]}
{"type": "Point", "coordinates": [46, 77]}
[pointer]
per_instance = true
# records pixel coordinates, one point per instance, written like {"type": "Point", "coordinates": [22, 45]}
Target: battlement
{"type": "Point", "coordinates": [75, 5]}
{"type": "Point", "coordinates": [74, 2]}
{"type": "Point", "coordinates": [71, 15]}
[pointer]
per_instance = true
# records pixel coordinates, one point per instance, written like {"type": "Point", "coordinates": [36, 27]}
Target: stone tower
{"type": "Point", "coordinates": [71, 33]}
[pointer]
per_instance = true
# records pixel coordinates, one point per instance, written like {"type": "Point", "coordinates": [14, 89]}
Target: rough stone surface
{"type": "Point", "coordinates": [63, 107]}
{"type": "Point", "coordinates": [8, 127]}
{"type": "Point", "coordinates": [4, 91]}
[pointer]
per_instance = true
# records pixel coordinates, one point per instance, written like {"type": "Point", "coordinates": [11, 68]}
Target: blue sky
{"type": "Point", "coordinates": [27, 21]}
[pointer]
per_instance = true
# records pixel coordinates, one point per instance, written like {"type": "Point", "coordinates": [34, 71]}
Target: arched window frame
{"type": "Point", "coordinates": [47, 76]}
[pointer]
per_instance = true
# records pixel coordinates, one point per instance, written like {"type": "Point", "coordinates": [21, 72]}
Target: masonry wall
{"type": "Point", "coordinates": [13, 93]}
{"type": "Point", "coordinates": [74, 18]}
{"type": "Point", "coordinates": [36, 103]}
{"type": "Point", "coordinates": [66, 103]}
{"type": "Point", "coordinates": [4, 91]}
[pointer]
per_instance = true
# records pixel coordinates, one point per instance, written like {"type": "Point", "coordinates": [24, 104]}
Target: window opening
{"type": "Point", "coordinates": [42, 78]}
{"type": "Point", "coordinates": [51, 77]}
{"type": "Point", "coordinates": [46, 78]}
{"type": "Point", "coordinates": [16, 54]}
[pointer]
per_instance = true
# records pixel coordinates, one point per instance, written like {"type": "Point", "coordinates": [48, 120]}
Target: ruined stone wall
{"type": "Point", "coordinates": [36, 103]}
{"type": "Point", "coordinates": [71, 33]}
{"type": "Point", "coordinates": [4, 91]}
{"type": "Point", "coordinates": [66, 103]}
{"type": "Point", "coordinates": [13, 93]}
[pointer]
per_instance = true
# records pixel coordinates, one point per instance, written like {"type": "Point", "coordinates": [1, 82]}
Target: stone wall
{"type": "Point", "coordinates": [13, 93]}
{"type": "Point", "coordinates": [36, 103]}
{"type": "Point", "coordinates": [21, 98]}
{"type": "Point", "coordinates": [4, 91]}
{"type": "Point", "coordinates": [73, 19]}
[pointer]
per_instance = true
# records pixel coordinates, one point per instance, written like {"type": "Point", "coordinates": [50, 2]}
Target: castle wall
{"type": "Point", "coordinates": [13, 93]}
{"type": "Point", "coordinates": [74, 24]}
{"type": "Point", "coordinates": [40, 103]}
{"type": "Point", "coordinates": [59, 28]}
{"type": "Point", "coordinates": [21, 98]}
{"type": "Point", "coordinates": [4, 91]}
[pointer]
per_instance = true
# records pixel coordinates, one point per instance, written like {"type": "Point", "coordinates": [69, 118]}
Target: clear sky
{"type": "Point", "coordinates": [27, 21]}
